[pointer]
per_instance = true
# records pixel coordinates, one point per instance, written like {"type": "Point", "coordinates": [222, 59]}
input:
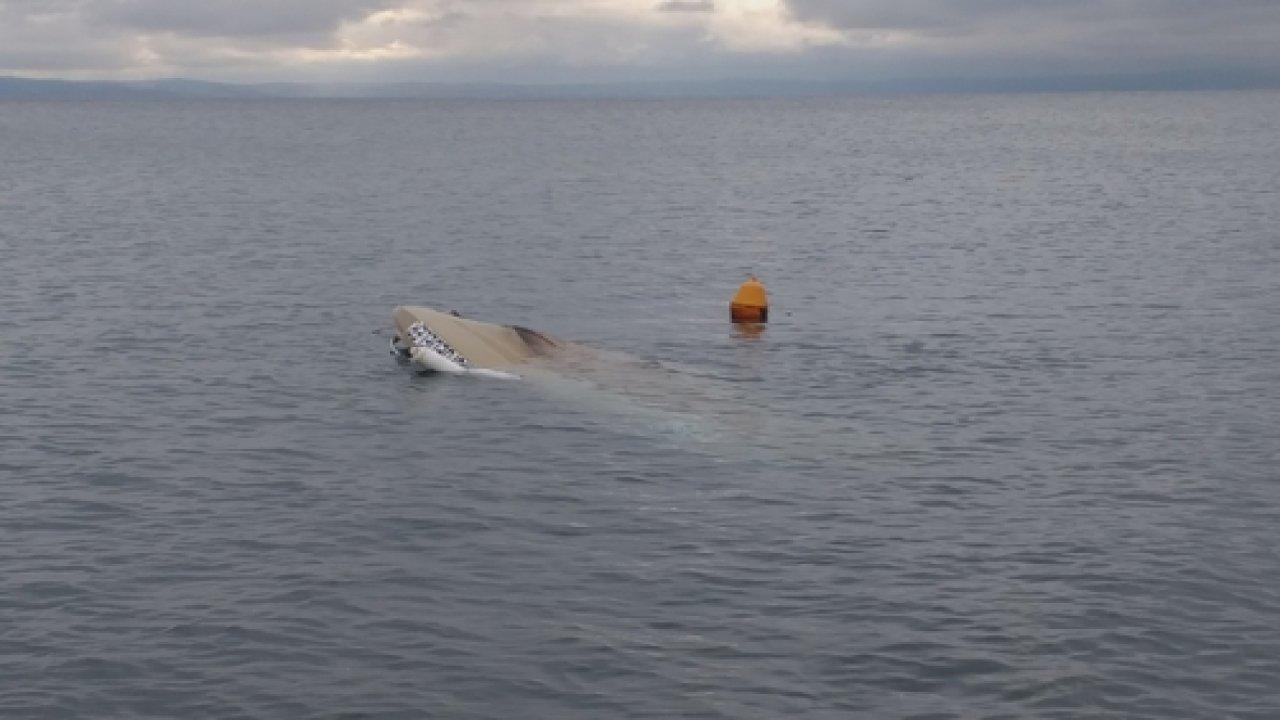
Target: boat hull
{"type": "Point", "coordinates": [442, 342]}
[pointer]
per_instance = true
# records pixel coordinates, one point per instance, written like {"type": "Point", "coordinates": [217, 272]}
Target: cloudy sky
{"type": "Point", "coordinates": [622, 40]}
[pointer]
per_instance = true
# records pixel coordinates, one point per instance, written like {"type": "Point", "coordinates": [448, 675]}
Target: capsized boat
{"type": "Point", "coordinates": [647, 395]}
{"type": "Point", "coordinates": [444, 342]}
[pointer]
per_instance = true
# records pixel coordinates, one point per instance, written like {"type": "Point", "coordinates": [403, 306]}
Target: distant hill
{"type": "Point", "coordinates": [40, 89]}
{"type": "Point", "coordinates": [177, 88]}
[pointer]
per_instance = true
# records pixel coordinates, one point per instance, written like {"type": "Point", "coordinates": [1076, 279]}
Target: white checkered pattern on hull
{"type": "Point", "coordinates": [423, 337]}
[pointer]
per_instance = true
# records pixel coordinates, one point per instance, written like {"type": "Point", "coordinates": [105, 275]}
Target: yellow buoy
{"type": "Point", "coordinates": [750, 303]}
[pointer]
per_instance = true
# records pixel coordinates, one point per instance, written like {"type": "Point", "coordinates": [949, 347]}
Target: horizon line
{"type": "Point", "coordinates": [177, 87]}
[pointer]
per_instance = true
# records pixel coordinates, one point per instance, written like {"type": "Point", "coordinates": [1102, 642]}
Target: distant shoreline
{"type": "Point", "coordinates": [181, 88]}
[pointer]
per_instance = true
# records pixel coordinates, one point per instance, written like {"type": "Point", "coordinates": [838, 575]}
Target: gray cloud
{"type": "Point", "coordinates": [1015, 37]}
{"type": "Point", "coordinates": [571, 40]}
{"type": "Point", "coordinates": [686, 6]}
{"type": "Point", "coordinates": [1146, 22]}
{"type": "Point", "coordinates": [936, 14]}
{"type": "Point", "coordinates": [231, 18]}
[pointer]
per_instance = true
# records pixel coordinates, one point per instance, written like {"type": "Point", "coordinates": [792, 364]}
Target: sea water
{"type": "Point", "coordinates": [1008, 447]}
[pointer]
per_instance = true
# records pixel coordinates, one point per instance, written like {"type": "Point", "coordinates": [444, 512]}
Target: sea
{"type": "Point", "coordinates": [1009, 446]}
